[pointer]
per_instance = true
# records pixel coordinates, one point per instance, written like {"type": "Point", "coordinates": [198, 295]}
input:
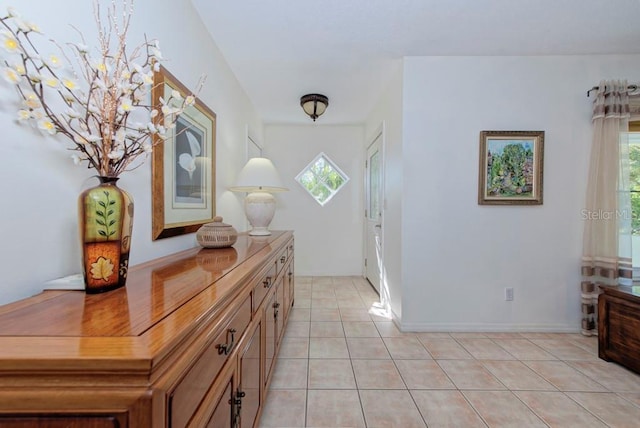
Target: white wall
{"type": "Point", "coordinates": [387, 116]}
{"type": "Point", "coordinates": [328, 238]}
{"type": "Point", "coordinates": [460, 256]}
{"type": "Point", "coordinates": [39, 183]}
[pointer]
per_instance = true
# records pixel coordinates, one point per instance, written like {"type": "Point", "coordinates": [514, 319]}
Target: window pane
{"type": "Point", "coordinates": [635, 213]}
{"type": "Point", "coordinates": [374, 185]}
{"type": "Point", "coordinates": [634, 180]}
{"type": "Point", "coordinates": [308, 180]}
{"type": "Point", "coordinates": [321, 193]}
{"type": "Point", "coordinates": [634, 164]}
{"type": "Point", "coordinates": [334, 180]}
{"type": "Point", "coordinates": [318, 167]}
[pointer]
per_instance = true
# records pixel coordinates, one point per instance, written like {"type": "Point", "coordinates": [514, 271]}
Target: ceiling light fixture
{"type": "Point", "coordinates": [314, 105]}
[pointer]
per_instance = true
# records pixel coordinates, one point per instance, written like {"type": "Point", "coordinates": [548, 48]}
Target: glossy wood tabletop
{"type": "Point", "coordinates": [134, 323]}
{"type": "Point", "coordinates": [631, 293]}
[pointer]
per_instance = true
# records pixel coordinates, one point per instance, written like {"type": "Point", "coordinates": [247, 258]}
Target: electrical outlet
{"type": "Point", "coordinates": [508, 294]}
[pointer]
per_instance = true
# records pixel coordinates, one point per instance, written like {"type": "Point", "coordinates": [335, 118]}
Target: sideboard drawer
{"type": "Point", "coordinates": [620, 340]}
{"type": "Point", "coordinates": [283, 257]}
{"type": "Point", "coordinates": [263, 284]}
{"type": "Point", "coordinates": [188, 394]}
{"type": "Point", "coordinates": [624, 326]}
{"type": "Point", "coordinates": [75, 421]}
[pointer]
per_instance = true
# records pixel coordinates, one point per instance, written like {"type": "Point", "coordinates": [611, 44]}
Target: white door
{"type": "Point", "coordinates": [373, 211]}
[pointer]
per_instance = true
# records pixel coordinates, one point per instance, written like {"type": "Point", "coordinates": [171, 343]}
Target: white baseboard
{"type": "Point", "coordinates": [488, 327]}
{"type": "Point", "coordinates": [321, 274]}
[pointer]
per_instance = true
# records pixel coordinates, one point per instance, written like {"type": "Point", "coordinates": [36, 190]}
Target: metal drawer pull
{"type": "Point", "coordinates": [283, 259]}
{"type": "Point", "coordinates": [237, 403]}
{"type": "Point", "coordinates": [226, 348]}
{"type": "Point", "coordinates": [267, 282]}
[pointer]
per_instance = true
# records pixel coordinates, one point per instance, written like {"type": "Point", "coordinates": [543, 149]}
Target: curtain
{"type": "Point", "coordinates": [606, 259]}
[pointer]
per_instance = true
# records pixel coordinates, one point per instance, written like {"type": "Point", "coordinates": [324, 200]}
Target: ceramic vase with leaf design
{"type": "Point", "coordinates": [105, 217]}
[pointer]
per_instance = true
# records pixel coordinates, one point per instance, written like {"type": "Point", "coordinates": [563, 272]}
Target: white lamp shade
{"type": "Point", "coordinates": [258, 175]}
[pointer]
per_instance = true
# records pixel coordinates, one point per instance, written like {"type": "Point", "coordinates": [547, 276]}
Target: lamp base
{"type": "Point", "coordinates": [259, 231]}
{"type": "Point", "coordinates": [259, 208]}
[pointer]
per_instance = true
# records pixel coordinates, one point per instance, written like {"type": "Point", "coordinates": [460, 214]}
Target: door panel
{"type": "Point", "coordinates": [250, 380]}
{"type": "Point", "coordinates": [374, 200]}
{"type": "Point", "coordinates": [270, 335]}
{"type": "Point", "coordinates": [223, 416]}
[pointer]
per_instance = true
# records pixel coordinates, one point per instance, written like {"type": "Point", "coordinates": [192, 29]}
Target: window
{"type": "Point", "coordinates": [322, 179]}
{"type": "Point", "coordinates": [634, 187]}
{"type": "Point", "coordinates": [634, 180]}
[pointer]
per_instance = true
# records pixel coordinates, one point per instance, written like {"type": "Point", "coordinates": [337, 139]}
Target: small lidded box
{"type": "Point", "coordinates": [217, 234]}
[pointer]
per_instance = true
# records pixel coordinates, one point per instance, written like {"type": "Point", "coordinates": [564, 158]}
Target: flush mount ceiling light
{"type": "Point", "coordinates": [314, 105]}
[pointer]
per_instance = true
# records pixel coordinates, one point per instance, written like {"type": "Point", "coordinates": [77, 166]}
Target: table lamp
{"type": "Point", "coordinates": [259, 179]}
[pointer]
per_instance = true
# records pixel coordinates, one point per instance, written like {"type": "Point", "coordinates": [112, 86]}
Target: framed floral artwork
{"type": "Point", "coordinates": [184, 164]}
{"type": "Point", "coordinates": [511, 167]}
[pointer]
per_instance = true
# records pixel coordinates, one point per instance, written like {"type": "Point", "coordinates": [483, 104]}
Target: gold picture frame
{"type": "Point", "coordinates": [511, 167]}
{"type": "Point", "coordinates": [183, 165]}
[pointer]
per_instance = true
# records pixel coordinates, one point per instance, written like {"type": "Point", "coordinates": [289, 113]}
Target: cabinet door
{"type": "Point", "coordinates": [223, 416]}
{"type": "Point", "coordinates": [249, 388]}
{"type": "Point", "coordinates": [287, 302]}
{"type": "Point", "coordinates": [292, 284]}
{"type": "Point", "coordinates": [270, 334]}
{"type": "Point", "coordinates": [279, 314]}
{"type": "Point", "coordinates": [288, 289]}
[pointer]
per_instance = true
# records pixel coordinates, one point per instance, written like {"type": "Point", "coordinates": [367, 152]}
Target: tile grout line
{"type": "Point", "coordinates": [484, 421]}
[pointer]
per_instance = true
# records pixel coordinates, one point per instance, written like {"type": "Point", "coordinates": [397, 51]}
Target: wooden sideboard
{"type": "Point", "coordinates": [190, 341]}
{"type": "Point", "coordinates": [619, 326]}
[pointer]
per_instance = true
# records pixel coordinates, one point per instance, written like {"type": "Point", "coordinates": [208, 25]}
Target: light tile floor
{"type": "Point", "coordinates": [342, 364]}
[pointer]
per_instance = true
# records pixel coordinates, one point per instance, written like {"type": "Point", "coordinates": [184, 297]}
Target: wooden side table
{"type": "Point", "coordinates": [619, 326]}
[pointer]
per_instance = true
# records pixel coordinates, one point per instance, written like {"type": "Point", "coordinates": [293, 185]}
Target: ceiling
{"type": "Point", "coordinates": [348, 49]}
